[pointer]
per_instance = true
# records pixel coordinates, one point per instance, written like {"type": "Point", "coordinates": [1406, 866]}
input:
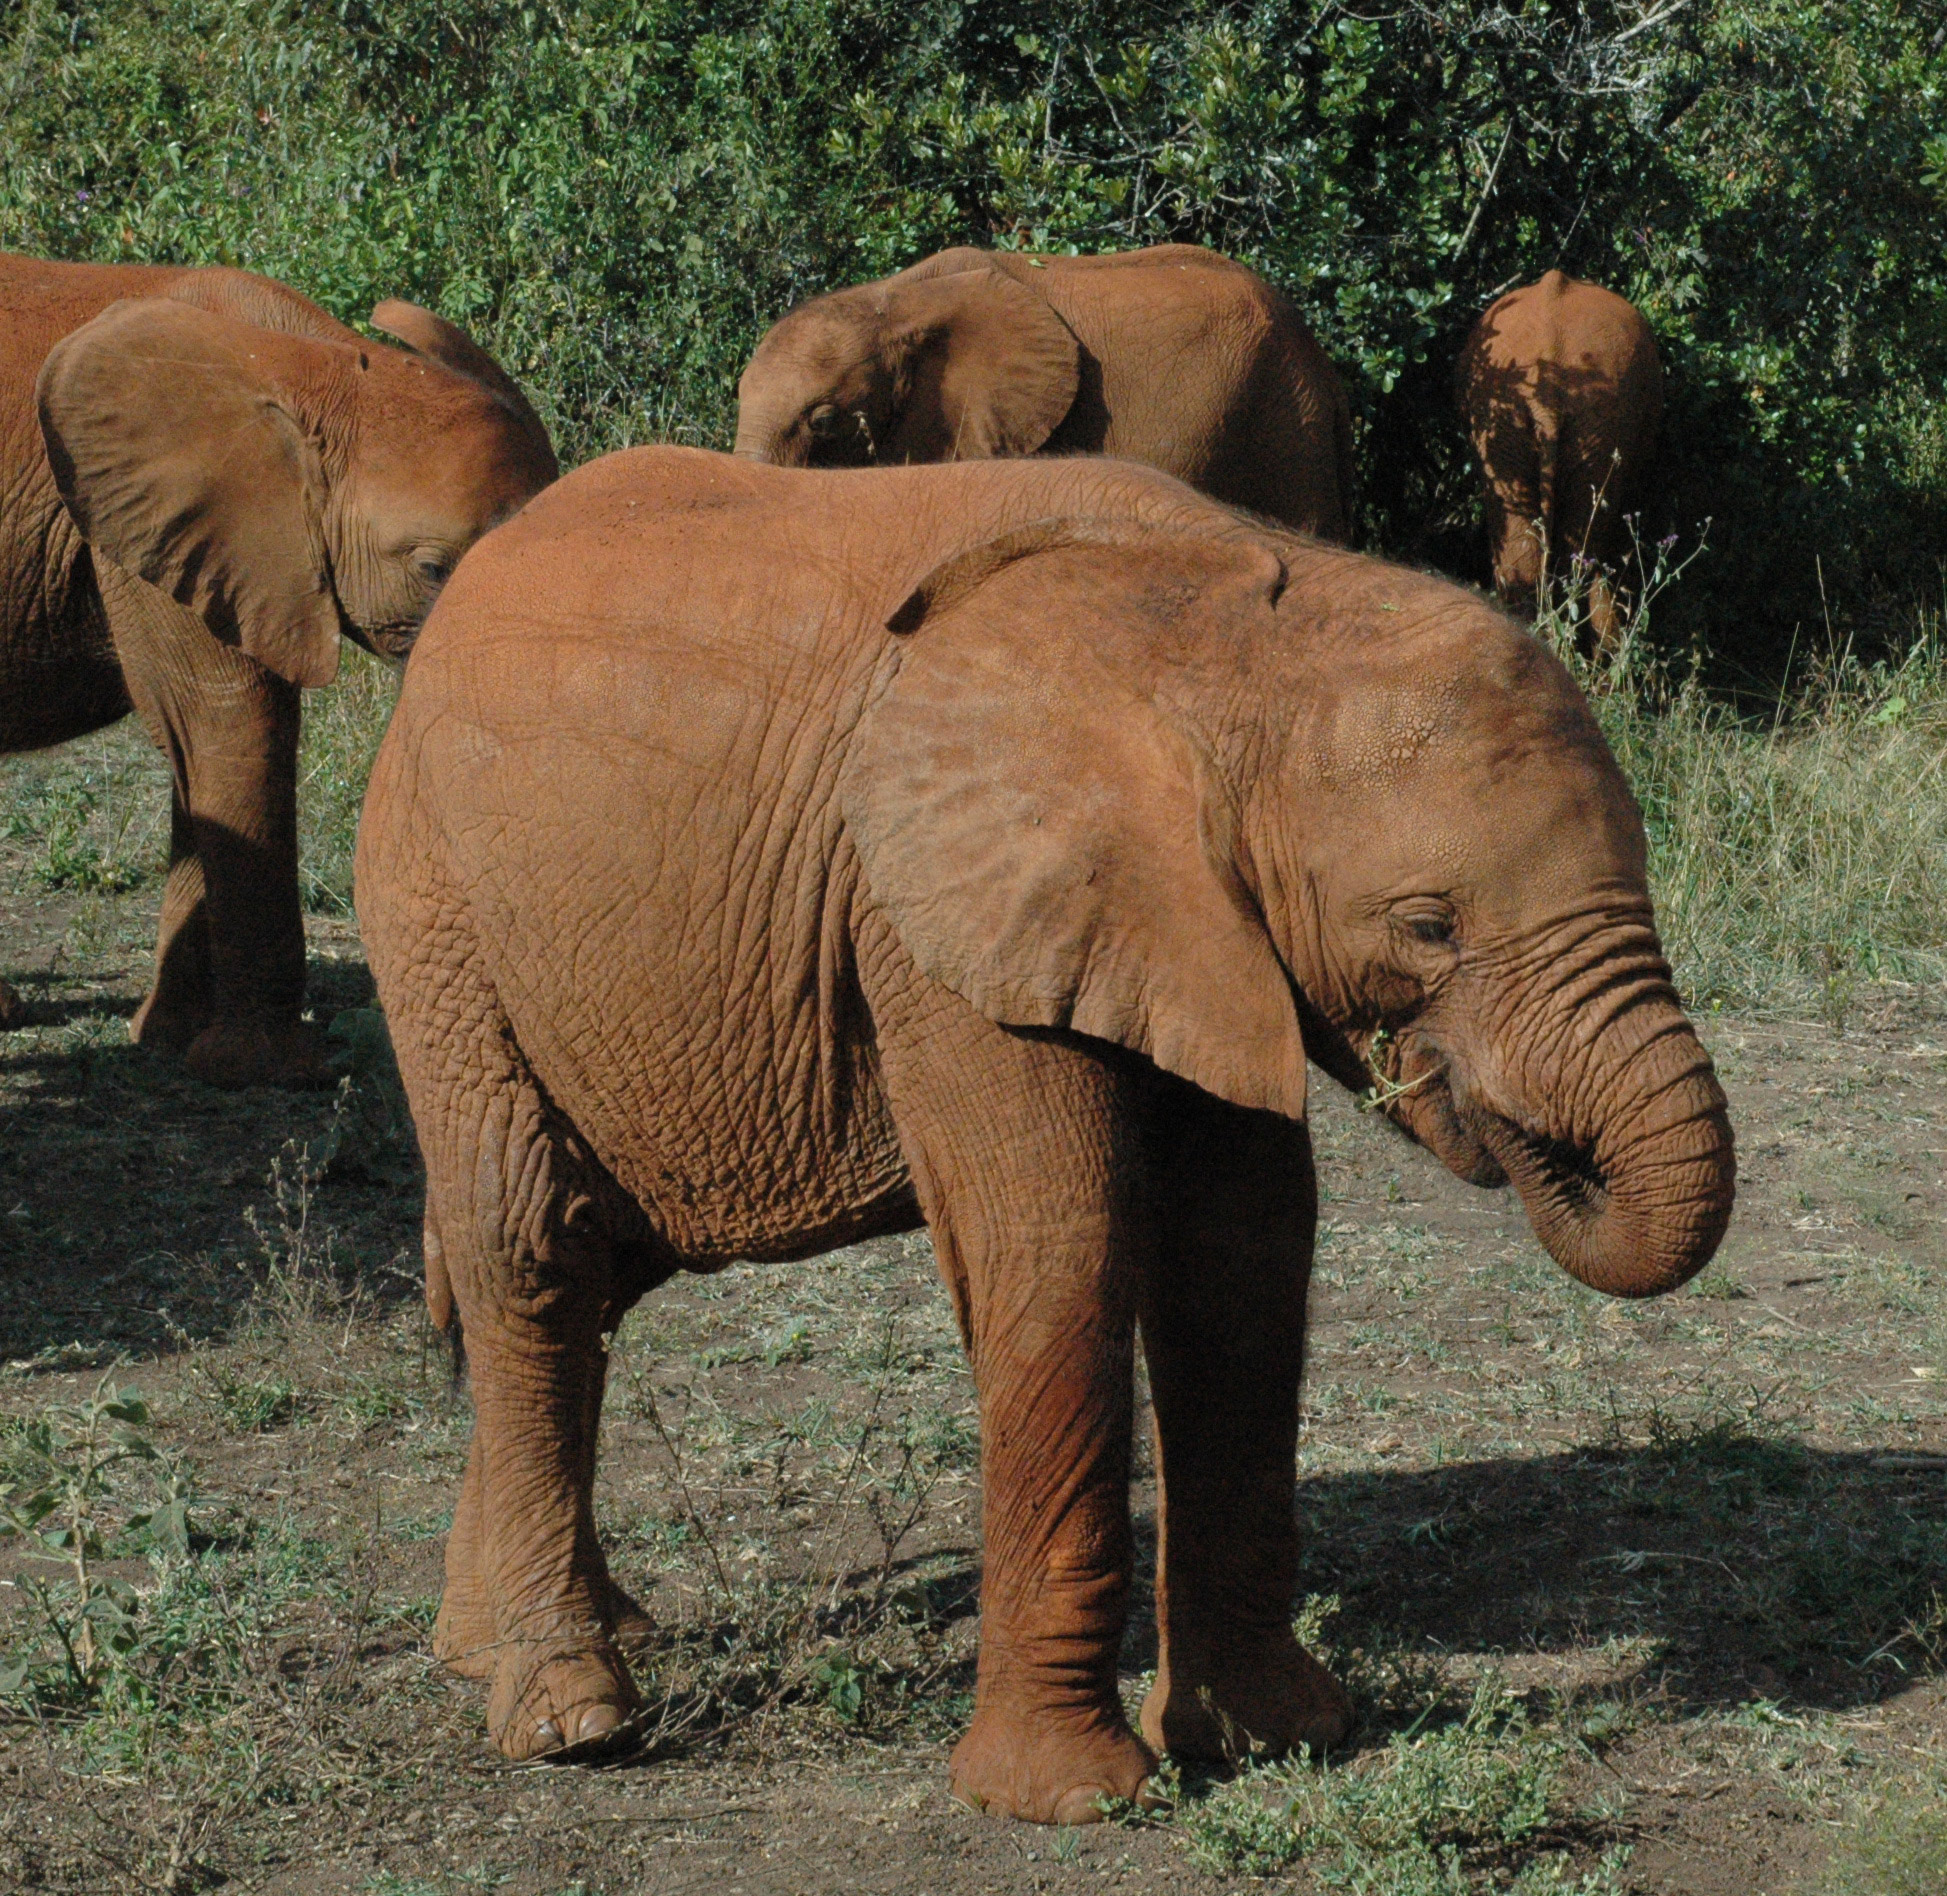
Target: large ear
{"type": "Point", "coordinates": [174, 448]}
{"type": "Point", "coordinates": [983, 367]}
{"type": "Point", "coordinates": [452, 348]}
{"type": "Point", "coordinates": [1048, 840]}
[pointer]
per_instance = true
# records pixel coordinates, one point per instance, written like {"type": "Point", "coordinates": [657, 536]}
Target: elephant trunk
{"type": "Point", "coordinates": [1629, 1179]}
{"type": "Point", "coordinates": [762, 436]}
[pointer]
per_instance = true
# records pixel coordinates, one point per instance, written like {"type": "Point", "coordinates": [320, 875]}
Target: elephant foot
{"type": "Point", "coordinates": [465, 1642]}
{"type": "Point", "coordinates": [259, 1050]}
{"type": "Point", "coordinates": [1250, 1698]}
{"type": "Point", "coordinates": [1050, 1767]}
{"type": "Point", "coordinates": [13, 1010]}
{"type": "Point", "coordinates": [552, 1698]}
{"type": "Point", "coordinates": [168, 1023]}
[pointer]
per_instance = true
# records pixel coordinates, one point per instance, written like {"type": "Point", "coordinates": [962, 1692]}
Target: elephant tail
{"type": "Point", "coordinates": [440, 1305]}
{"type": "Point", "coordinates": [1548, 444]}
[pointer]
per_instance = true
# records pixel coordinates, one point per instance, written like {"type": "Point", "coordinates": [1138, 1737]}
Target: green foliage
{"type": "Point", "coordinates": [619, 195]}
{"type": "Point", "coordinates": [1438, 1813]}
{"type": "Point", "coordinates": [65, 1501]}
{"type": "Point", "coordinates": [84, 826]}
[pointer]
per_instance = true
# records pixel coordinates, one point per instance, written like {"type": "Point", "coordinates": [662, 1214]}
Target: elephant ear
{"type": "Point", "coordinates": [983, 366]}
{"type": "Point", "coordinates": [452, 348]}
{"type": "Point", "coordinates": [177, 448]}
{"type": "Point", "coordinates": [1046, 839]}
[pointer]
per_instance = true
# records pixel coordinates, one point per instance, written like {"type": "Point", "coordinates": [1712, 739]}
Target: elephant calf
{"type": "Point", "coordinates": [205, 480]}
{"type": "Point", "coordinates": [759, 860]}
{"type": "Point", "coordinates": [1562, 392]}
{"type": "Point", "coordinates": [1174, 356]}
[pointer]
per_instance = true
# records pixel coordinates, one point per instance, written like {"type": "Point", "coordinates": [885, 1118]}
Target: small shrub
{"type": "Point", "coordinates": [67, 1502]}
{"type": "Point", "coordinates": [1436, 1814]}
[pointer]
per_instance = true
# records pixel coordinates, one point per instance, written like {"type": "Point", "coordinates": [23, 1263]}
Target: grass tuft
{"type": "Point", "coordinates": [1437, 1813]}
{"type": "Point", "coordinates": [1897, 1847]}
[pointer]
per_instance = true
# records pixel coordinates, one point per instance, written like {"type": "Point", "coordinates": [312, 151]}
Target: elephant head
{"type": "Point", "coordinates": [954, 364]}
{"type": "Point", "coordinates": [285, 484]}
{"type": "Point", "coordinates": [1265, 801]}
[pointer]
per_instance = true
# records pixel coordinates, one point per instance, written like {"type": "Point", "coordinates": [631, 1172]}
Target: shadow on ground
{"type": "Point", "coordinates": [127, 1188]}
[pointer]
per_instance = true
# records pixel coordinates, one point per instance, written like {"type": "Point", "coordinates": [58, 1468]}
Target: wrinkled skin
{"type": "Point", "coordinates": [1562, 392]}
{"type": "Point", "coordinates": [759, 860]}
{"type": "Point", "coordinates": [1175, 356]}
{"type": "Point", "coordinates": [204, 481]}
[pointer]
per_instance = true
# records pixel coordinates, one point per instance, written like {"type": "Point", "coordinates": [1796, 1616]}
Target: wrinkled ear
{"type": "Point", "coordinates": [984, 368]}
{"type": "Point", "coordinates": [452, 348]}
{"type": "Point", "coordinates": [174, 448]}
{"type": "Point", "coordinates": [1051, 845]}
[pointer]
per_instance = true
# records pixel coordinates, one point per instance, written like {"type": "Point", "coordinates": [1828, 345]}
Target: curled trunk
{"type": "Point", "coordinates": [1629, 1182]}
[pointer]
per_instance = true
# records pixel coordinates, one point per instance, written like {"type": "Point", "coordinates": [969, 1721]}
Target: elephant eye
{"type": "Point", "coordinates": [1432, 926]}
{"type": "Point", "coordinates": [434, 568]}
{"type": "Point", "coordinates": [825, 420]}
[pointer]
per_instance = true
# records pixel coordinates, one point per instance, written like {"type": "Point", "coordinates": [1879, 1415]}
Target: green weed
{"type": "Point", "coordinates": [66, 1502]}
{"type": "Point", "coordinates": [1438, 1813]}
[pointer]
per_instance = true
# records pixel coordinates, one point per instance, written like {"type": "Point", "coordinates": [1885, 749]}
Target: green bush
{"type": "Point", "coordinates": [619, 195]}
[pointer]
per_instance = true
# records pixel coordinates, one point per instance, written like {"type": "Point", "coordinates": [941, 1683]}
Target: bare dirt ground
{"type": "Point", "coordinates": [1677, 1569]}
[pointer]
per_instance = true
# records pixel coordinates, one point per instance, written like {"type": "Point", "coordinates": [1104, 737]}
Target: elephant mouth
{"type": "Point", "coordinates": [1544, 1169]}
{"type": "Point", "coordinates": [394, 640]}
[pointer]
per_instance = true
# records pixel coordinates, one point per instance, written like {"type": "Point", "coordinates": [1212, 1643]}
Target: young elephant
{"type": "Point", "coordinates": [206, 480]}
{"type": "Point", "coordinates": [1562, 392]}
{"type": "Point", "coordinates": [759, 860]}
{"type": "Point", "coordinates": [1175, 356]}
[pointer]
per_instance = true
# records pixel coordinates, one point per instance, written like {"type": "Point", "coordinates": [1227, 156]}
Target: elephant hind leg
{"type": "Point", "coordinates": [517, 1206]}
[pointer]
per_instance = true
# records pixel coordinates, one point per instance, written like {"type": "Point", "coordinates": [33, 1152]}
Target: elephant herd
{"type": "Point", "coordinates": [773, 850]}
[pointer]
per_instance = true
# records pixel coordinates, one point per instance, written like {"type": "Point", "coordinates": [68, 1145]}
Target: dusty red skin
{"type": "Point", "coordinates": [715, 918]}
{"type": "Point", "coordinates": [206, 480]}
{"type": "Point", "coordinates": [1174, 356]}
{"type": "Point", "coordinates": [1562, 392]}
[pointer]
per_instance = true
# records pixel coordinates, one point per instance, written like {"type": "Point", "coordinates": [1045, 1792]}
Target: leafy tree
{"type": "Point", "coordinates": [620, 195]}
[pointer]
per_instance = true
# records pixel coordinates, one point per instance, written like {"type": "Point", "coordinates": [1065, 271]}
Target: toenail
{"type": "Point", "coordinates": [598, 1721]}
{"type": "Point", "coordinates": [1082, 1805]}
{"type": "Point", "coordinates": [547, 1732]}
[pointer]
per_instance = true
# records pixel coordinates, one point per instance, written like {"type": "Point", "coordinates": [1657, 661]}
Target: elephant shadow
{"type": "Point", "coordinates": [1709, 1572]}
{"type": "Point", "coordinates": [1709, 1569]}
{"type": "Point", "coordinates": [127, 1188]}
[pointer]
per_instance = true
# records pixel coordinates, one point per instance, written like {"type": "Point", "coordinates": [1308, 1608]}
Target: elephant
{"type": "Point", "coordinates": [1174, 356]}
{"type": "Point", "coordinates": [207, 480]}
{"type": "Point", "coordinates": [1562, 392]}
{"type": "Point", "coordinates": [760, 860]}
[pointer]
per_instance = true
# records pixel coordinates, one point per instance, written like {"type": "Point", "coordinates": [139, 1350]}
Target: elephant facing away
{"type": "Point", "coordinates": [1562, 392]}
{"type": "Point", "coordinates": [759, 860]}
{"type": "Point", "coordinates": [204, 481]}
{"type": "Point", "coordinates": [1173, 356]}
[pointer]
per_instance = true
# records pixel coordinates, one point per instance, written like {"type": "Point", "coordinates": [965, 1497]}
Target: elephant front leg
{"type": "Point", "coordinates": [1223, 1326]}
{"type": "Point", "coordinates": [1014, 1148]}
{"type": "Point", "coordinates": [229, 983]}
